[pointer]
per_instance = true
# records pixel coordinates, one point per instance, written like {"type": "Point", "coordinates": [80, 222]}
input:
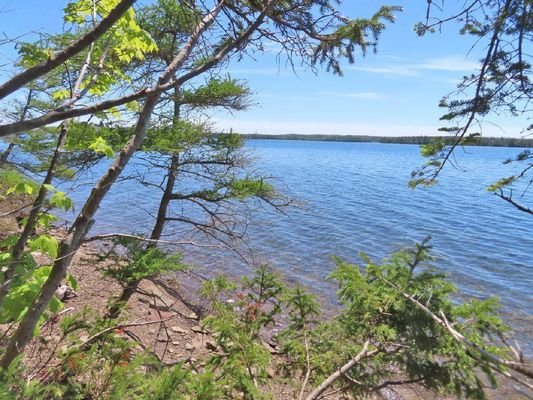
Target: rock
{"type": "Point", "coordinates": [160, 299]}
{"type": "Point", "coordinates": [175, 343]}
{"type": "Point", "coordinates": [192, 315]}
{"type": "Point", "coordinates": [270, 371]}
{"type": "Point", "coordinates": [46, 339]}
{"type": "Point", "coordinates": [178, 329]}
{"type": "Point", "coordinates": [63, 292]}
{"type": "Point", "coordinates": [162, 339]}
{"type": "Point", "coordinates": [198, 329]}
{"type": "Point", "coordinates": [270, 348]}
{"type": "Point", "coordinates": [189, 347]}
{"type": "Point", "coordinates": [210, 346]}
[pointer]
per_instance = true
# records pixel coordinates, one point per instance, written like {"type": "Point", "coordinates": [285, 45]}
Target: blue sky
{"type": "Point", "coordinates": [394, 92]}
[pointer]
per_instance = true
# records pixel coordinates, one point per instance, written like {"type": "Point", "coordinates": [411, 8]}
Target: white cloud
{"type": "Point", "coordinates": [451, 63]}
{"type": "Point", "coordinates": [393, 70]}
{"type": "Point", "coordinates": [261, 71]}
{"type": "Point", "coordinates": [357, 95]}
{"type": "Point", "coordinates": [445, 64]}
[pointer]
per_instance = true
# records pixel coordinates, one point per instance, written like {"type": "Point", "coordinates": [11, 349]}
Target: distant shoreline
{"type": "Point", "coordinates": [482, 141]}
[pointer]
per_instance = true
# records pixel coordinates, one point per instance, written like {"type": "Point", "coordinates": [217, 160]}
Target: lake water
{"type": "Point", "coordinates": [354, 197]}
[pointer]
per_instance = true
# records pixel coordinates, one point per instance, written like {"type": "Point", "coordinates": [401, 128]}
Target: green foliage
{"type": "Point", "coordinates": [128, 39]}
{"type": "Point", "coordinates": [12, 183]}
{"type": "Point", "coordinates": [431, 149]}
{"type": "Point", "coordinates": [141, 262]}
{"type": "Point", "coordinates": [501, 85]}
{"type": "Point", "coordinates": [376, 306]}
{"type": "Point", "coordinates": [408, 341]}
{"type": "Point", "coordinates": [87, 142]}
{"type": "Point", "coordinates": [21, 188]}
{"type": "Point", "coordinates": [24, 291]}
{"type": "Point", "coordinates": [179, 137]}
{"type": "Point", "coordinates": [248, 187]}
{"type": "Point", "coordinates": [360, 33]}
{"type": "Point", "coordinates": [236, 325]}
{"type": "Point", "coordinates": [62, 201]}
{"type": "Point", "coordinates": [100, 146]}
{"type": "Point", "coordinates": [227, 92]}
{"type": "Point", "coordinates": [501, 183]}
{"type": "Point", "coordinates": [46, 244]}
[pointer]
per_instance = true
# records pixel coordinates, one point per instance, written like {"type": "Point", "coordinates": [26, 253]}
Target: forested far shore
{"type": "Point", "coordinates": [481, 141]}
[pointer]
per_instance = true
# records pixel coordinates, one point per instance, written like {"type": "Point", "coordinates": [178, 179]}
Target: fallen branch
{"type": "Point", "coordinates": [342, 371]}
{"type": "Point", "coordinates": [109, 236]}
{"type": "Point", "coordinates": [90, 340]}
{"type": "Point", "coordinates": [515, 366]}
{"type": "Point", "coordinates": [16, 210]}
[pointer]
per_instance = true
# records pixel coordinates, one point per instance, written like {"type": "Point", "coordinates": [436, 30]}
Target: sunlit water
{"type": "Point", "coordinates": [354, 197]}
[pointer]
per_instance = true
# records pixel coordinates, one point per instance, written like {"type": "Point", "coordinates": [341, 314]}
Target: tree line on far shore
{"type": "Point", "coordinates": [419, 140]}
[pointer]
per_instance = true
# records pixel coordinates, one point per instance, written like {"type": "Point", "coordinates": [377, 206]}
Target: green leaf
{"type": "Point", "coordinates": [45, 243]}
{"type": "Point", "coordinates": [100, 146]}
{"type": "Point", "coordinates": [72, 282]}
{"type": "Point", "coordinates": [21, 188]}
{"type": "Point", "coordinates": [62, 201]}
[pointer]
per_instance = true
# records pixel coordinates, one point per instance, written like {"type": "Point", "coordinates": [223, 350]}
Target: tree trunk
{"type": "Point", "coordinates": [129, 290]}
{"type": "Point", "coordinates": [18, 248]}
{"type": "Point", "coordinates": [157, 231]}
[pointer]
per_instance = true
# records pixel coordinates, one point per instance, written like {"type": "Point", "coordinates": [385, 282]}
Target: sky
{"type": "Point", "coordinates": [392, 93]}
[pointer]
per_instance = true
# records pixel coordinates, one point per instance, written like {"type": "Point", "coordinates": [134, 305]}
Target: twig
{"type": "Point", "coordinates": [308, 367]}
{"type": "Point", "coordinates": [16, 210]}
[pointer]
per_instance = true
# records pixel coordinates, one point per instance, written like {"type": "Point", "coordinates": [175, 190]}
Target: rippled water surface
{"type": "Point", "coordinates": [354, 197]}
